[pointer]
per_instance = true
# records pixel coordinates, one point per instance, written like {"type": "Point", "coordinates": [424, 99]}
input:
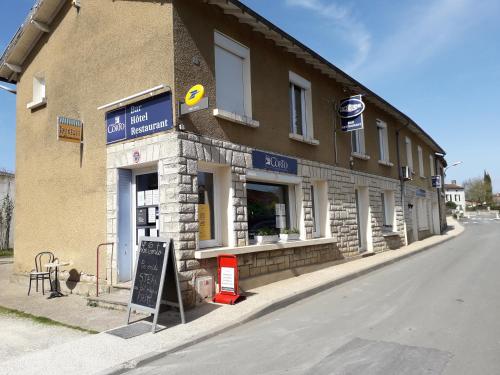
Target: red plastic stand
{"type": "Point", "coordinates": [227, 270]}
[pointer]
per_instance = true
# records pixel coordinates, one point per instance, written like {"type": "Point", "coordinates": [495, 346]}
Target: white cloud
{"type": "Point", "coordinates": [416, 35]}
{"type": "Point", "coordinates": [344, 22]}
{"type": "Point", "coordinates": [421, 34]}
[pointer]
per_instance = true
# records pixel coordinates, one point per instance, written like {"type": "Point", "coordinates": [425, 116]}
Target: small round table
{"type": "Point", "coordinates": [56, 291]}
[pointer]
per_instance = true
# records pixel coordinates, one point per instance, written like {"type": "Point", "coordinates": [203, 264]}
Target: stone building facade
{"type": "Point", "coordinates": [203, 179]}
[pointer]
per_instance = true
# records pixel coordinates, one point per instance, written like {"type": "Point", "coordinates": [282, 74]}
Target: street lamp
{"type": "Point", "coordinates": [12, 91]}
{"type": "Point", "coordinates": [453, 165]}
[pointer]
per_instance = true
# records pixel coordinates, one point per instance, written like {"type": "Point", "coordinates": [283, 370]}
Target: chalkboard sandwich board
{"type": "Point", "coordinates": [155, 267]}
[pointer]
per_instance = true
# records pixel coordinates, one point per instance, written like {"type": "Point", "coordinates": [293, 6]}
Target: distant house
{"type": "Point", "coordinates": [7, 187]}
{"type": "Point", "coordinates": [496, 199]}
{"type": "Point", "coordinates": [456, 194]}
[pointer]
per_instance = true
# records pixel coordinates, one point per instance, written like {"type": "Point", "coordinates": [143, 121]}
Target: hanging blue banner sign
{"type": "Point", "coordinates": [351, 113]}
{"type": "Point", "coordinates": [149, 116]}
{"type": "Point", "coordinates": [275, 163]}
{"type": "Point", "coordinates": [436, 182]}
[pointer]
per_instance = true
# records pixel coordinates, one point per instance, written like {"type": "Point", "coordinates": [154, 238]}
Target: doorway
{"type": "Point", "coordinates": [138, 215]}
{"type": "Point", "coordinates": [363, 213]}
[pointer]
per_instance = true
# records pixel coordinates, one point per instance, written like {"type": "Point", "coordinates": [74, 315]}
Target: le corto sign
{"type": "Point", "coordinates": [149, 116]}
{"type": "Point", "coordinates": [275, 163]}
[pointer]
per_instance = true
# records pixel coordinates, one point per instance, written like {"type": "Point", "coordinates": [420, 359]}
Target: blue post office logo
{"type": "Point", "coordinates": [149, 116]}
{"type": "Point", "coordinates": [275, 163]}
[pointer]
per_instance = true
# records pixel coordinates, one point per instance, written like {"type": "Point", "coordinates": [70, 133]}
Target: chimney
{"type": "Point", "coordinates": [454, 182]}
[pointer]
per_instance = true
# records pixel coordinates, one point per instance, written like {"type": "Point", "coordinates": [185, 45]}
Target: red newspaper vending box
{"type": "Point", "coordinates": [227, 270]}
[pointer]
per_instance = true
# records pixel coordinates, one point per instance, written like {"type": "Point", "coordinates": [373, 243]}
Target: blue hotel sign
{"type": "Point", "coordinates": [351, 113]}
{"type": "Point", "coordinates": [275, 163]}
{"type": "Point", "coordinates": [149, 116]}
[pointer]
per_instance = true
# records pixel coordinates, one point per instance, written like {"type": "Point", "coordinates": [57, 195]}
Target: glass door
{"type": "Point", "coordinates": [147, 202]}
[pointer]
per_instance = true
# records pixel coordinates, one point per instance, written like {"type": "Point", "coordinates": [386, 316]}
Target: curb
{"type": "Point", "coordinates": [274, 306]}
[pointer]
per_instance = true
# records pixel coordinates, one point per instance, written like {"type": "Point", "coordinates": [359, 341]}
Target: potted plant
{"type": "Point", "coordinates": [290, 235]}
{"type": "Point", "coordinates": [266, 235]}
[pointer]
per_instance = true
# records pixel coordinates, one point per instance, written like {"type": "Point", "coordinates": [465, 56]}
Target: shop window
{"type": "Point", "coordinates": [421, 161]}
{"type": "Point", "coordinates": [232, 73]}
{"type": "Point", "coordinates": [358, 141]}
{"type": "Point", "coordinates": [268, 208]}
{"type": "Point", "coordinates": [301, 123]}
{"type": "Point", "coordinates": [208, 215]}
{"type": "Point", "coordinates": [388, 209]}
{"type": "Point", "coordinates": [409, 154]}
{"type": "Point", "coordinates": [383, 141]}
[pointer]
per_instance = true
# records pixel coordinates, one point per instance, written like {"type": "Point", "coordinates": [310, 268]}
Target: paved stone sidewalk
{"type": "Point", "coordinates": [71, 310]}
{"type": "Point", "coordinates": [106, 354]}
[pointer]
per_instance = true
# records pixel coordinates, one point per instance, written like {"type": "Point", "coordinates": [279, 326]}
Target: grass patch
{"type": "Point", "coordinates": [42, 320]}
{"type": "Point", "coordinates": [7, 253]}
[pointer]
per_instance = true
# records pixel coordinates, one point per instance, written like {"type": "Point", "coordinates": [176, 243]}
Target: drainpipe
{"type": "Point", "coordinates": [335, 108]}
{"type": "Point", "coordinates": [441, 227]}
{"type": "Point", "coordinates": [401, 180]}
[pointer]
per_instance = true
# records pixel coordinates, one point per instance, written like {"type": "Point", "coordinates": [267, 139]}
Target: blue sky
{"type": "Point", "coordinates": [435, 60]}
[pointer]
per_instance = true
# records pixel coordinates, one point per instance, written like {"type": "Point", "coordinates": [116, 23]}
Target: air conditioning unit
{"type": "Point", "coordinates": [406, 173]}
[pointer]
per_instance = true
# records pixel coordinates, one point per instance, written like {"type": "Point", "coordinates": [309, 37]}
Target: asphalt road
{"type": "Point", "coordinates": [437, 312]}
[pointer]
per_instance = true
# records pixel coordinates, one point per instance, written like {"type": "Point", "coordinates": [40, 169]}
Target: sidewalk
{"type": "Point", "coordinates": [106, 354]}
{"type": "Point", "coordinates": [71, 310]}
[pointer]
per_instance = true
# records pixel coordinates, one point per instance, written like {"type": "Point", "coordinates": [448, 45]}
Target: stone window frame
{"type": "Point", "coordinates": [219, 205]}
{"type": "Point", "coordinates": [295, 198]}
{"type": "Point", "coordinates": [389, 210]}
{"type": "Point", "coordinates": [320, 209]}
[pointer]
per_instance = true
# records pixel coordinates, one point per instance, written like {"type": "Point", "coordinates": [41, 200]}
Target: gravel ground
{"type": "Point", "coordinates": [21, 336]}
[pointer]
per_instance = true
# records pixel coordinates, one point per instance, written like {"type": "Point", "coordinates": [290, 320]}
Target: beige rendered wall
{"type": "Point", "coordinates": [106, 51]}
{"type": "Point", "coordinates": [194, 25]}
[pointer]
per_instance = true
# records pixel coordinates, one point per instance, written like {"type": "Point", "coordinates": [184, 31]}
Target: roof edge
{"type": "Point", "coordinates": [316, 55]}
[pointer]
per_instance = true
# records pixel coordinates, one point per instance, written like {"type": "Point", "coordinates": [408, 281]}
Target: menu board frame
{"type": "Point", "coordinates": [168, 257]}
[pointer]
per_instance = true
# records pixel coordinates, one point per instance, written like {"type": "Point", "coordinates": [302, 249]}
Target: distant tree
{"type": "Point", "coordinates": [451, 205]}
{"type": "Point", "coordinates": [488, 189]}
{"type": "Point", "coordinates": [475, 190]}
{"type": "Point", "coordinates": [6, 212]}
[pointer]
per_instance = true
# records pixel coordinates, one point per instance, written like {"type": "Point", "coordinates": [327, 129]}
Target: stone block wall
{"type": "Point", "coordinates": [179, 156]}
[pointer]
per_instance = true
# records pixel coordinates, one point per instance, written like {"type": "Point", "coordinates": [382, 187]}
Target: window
{"type": "Point", "coordinates": [388, 209]}
{"type": "Point", "coordinates": [232, 72]}
{"type": "Point", "coordinates": [301, 122]}
{"type": "Point", "coordinates": [457, 197]}
{"type": "Point", "coordinates": [409, 154]}
{"type": "Point", "coordinates": [39, 97]}
{"type": "Point", "coordinates": [268, 207]}
{"type": "Point", "coordinates": [383, 141]}
{"type": "Point", "coordinates": [421, 162]}
{"type": "Point", "coordinates": [320, 209]}
{"type": "Point", "coordinates": [422, 214]}
{"type": "Point", "coordinates": [432, 166]}
{"type": "Point", "coordinates": [208, 207]}
{"type": "Point", "coordinates": [315, 213]}
{"type": "Point", "coordinates": [358, 141]}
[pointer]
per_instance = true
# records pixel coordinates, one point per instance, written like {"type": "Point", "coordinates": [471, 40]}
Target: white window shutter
{"type": "Point", "coordinates": [230, 85]}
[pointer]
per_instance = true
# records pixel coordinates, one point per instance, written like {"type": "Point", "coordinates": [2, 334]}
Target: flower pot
{"type": "Point", "coordinates": [289, 237]}
{"type": "Point", "coordinates": [261, 240]}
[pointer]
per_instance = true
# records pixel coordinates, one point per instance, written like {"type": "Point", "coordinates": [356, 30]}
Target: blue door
{"type": "Point", "coordinates": [125, 247]}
